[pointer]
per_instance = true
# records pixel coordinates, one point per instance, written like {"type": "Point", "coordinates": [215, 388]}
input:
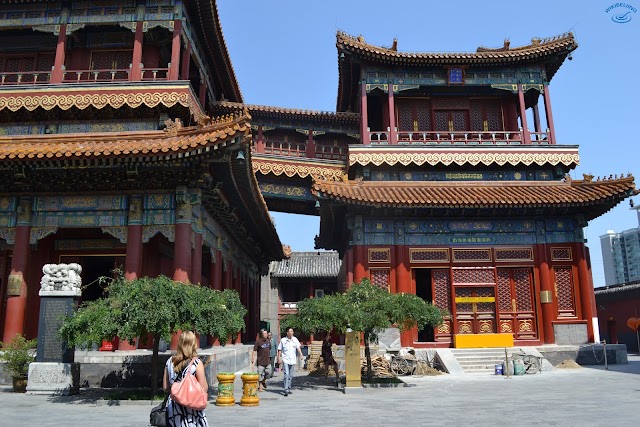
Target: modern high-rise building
{"type": "Point", "coordinates": [621, 255]}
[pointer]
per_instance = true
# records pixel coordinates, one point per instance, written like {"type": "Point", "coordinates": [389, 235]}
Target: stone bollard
{"type": "Point", "coordinates": [250, 389]}
{"type": "Point", "coordinates": [225, 389]}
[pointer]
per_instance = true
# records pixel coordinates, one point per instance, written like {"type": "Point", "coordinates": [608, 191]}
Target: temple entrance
{"type": "Point", "coordinates": [422, 277]}
{"type": "Point", "coordinates": [475, 310]}
{"type": "Point", "coordinates": [516, 302]}
{"type": "Point", "coordinates": [94, 267]}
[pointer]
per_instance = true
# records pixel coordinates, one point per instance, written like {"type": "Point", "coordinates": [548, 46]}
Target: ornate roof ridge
{"type": "Point", "coordinates": [287, 110]}
{"type": "Point", "coordinates": [537, 45]}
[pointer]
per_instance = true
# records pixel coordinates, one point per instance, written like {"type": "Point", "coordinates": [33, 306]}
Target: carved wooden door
{"type": "Point", "coordinates": [475, 310]}
{"type": "Point", "coordinates": [516, 304]}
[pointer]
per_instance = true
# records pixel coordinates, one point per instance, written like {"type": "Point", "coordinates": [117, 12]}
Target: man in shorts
{"type": "Point", "coordinates": [260, 356]}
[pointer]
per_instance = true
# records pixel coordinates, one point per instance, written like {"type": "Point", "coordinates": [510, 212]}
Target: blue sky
{"type": "Point", "coordinates": [284, 54]}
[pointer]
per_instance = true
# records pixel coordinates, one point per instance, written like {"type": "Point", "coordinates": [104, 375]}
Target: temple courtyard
{"type": "Point", "coordinates": [588, 396]}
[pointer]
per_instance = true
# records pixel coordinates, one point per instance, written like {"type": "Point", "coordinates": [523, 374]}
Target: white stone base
{"type": "Point", "coordinates": [53, 378]}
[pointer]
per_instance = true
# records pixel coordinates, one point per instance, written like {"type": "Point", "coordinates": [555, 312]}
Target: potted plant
{"type": "Point", "coordinates": [18, 354]}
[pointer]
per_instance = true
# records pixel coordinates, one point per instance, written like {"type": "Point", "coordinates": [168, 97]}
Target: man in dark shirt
{"type": "Point", "coordinates": [261, 349]}
{"type": "Point", "coordinates": [327, 358]}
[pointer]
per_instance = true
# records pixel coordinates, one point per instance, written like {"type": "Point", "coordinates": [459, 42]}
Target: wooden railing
{"type": "Point", "coordinates": [282, 148]}
{"type": "Point", "coordinates": [155, 74]}
{"type": "Point", "coordinates": [81, 76]}
{"type": "Point", "coordinates": [458, 137]}
{"type": "Point", "coordinates": [29, 77]}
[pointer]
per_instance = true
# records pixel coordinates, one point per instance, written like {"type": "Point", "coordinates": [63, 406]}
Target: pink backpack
{"type": "Point", "coordinates": [188, 392]}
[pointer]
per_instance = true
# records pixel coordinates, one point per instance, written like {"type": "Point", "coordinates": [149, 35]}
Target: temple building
{"type": "Point", "coordinates": [126, 142]}
{"type": "Point", "coordinates": [108, 157]}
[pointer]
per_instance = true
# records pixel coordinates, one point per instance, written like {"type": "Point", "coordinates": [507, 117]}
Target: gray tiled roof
{"type": "Point", "coordinates": [308, 264]}
{"type": "Point", "coordinates": [620, 289]}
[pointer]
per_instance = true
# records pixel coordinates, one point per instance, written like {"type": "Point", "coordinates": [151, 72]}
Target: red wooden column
{"type": "Point", "coordinates": [182, 245]}
{"type": "Point", "coordinates": [359, 269]}
{"type": "Point", "coordinates": [133, 260]}
{"type": "Point", "coordinates": [57, 73]}
{"type": "Point", "coordinates": [546, 285]}
{"type": "Point", "coordinates": [585, 290]}
{"type": "Point", "coordinates": [17, 286]}
{"type": "Point", "coordinates": [310, 149]}
{"type": "Point", "coordinates": [536, 119]}
{"type": "Point", "coordinates": [136, 59]}
{"type": "Point", "coordinates": [217, 271]}
{"type": "Point", "coordinates": [349, 260]}
{"type": "Point", "coordinates": [393, 136]}
{"type": "Point", "coordinates": [202, 95]}
{"type": "Point", "coordinates": [196, 260]}
{"type": "Point", "coordinates": [364, 114]}
{"type": "Point", "coordinates": [526, 138]}
{"type": "Point", "coordinates": [175, 50]}
{"type": "Point", "coordinates": [260, 141]}
{"type": "Point", "coordinates": [185, 61]}
{"type": "Point", "coordinates": [403, 285]}
{"type": "Point", "coordinates": [549, 115]}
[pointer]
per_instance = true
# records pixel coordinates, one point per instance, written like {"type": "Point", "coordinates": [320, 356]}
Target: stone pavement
{"type": "Point", "coordinates": [589, 396]}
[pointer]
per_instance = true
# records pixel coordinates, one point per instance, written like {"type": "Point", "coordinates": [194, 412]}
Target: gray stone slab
{"type": "Point", "coordinates": [53, 378]}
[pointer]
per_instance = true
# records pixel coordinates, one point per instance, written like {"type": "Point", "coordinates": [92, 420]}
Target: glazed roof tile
{"type": "Point", "coordinates": [538, 49]}
{"type": "Point", "coordinates": [122, 144]}
{"type": "Point", "coordinates": [227, 107]}
{"type": "Point", "coordinates": [477, 194]}
{"type": "Point", "coordinates": [620, 290]}
{"type": "Point", "coordinates": [308, 265]}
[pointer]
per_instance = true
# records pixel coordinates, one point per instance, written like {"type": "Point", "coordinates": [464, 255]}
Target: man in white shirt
{"type": "Point", "coordinates": [288, 350]}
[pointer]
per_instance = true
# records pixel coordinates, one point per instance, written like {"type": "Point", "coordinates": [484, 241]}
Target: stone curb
{"type": "Point", "coordinates": [106, 402]}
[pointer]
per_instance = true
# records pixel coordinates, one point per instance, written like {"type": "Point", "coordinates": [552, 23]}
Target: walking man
{"type": "Point", "coordinates": [273, 352]}
{"type": "Point", "coordinates": [288, 350]}
{"type": "Point", "coordinates": [261, 349]}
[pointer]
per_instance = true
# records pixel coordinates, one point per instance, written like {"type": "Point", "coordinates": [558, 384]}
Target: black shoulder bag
{"type": "Point", "coordinates": [158, 416]}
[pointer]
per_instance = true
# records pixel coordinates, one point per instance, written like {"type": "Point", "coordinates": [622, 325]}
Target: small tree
{"type": "Point", "coordinates": [366, 308]}
{"type": "Point", "coordinates": [158, 306]}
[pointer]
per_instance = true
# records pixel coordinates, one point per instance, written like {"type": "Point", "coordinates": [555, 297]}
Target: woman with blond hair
{"type": "Point", "coordinates": [175, 370]}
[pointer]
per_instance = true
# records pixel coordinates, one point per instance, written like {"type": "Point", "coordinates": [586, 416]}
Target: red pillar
{"type": "Point", "coordinates": [359, 270]}
{"type": "Point", "coordinates": [349, 260]}
{"type": "Point", "coordinates": [526, 138]}
{"type": "Point", "coordinates": [364, 115]}
{"type": "Point", "coordinates": [260, 141]}
{"type": "Point", "coordinates": [133, 260]}
{"type": "Point", "coordinates": [136, 58]}
{"type": "Point", "coordinates": [185, 62]}
{"type": "Point", "coordinates": [403, 285]}
{"type": "Point", "coordinates": [310, 150]}
{"type": "Point", "coordinates": [182, 253]}
{"type": "Point", "coordinates": [546, 285]}
{"type": "Point", "coordinates": [17, 286]}
{"type": "Point", "coordinates": [57, 73]}
{"type": "Point", "coordinates": [585, 290]}
{"type": "Point", "coordinates": [217, 272]}
{"type": "Point", "coordinates": [393, 137]}
{"type": "Point", "coordinates": [202, 95]}
{"type": "Point", "coordinates": [196, 260]}
{"type": "Point", "coordinates": [549, 115]}
{"type": "Point", "coordinates": [175, 50]}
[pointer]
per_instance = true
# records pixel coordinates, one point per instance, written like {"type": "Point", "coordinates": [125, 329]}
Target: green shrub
{"type": "Point", "coordinates": [18, 354]}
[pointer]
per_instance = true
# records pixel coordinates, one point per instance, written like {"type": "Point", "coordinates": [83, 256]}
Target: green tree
{"type": "Point", "coordinates": [366, 308]}
{"type": "Point", "coordinates": [158, 306]}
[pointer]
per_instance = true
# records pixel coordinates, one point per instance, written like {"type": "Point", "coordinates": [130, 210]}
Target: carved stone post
{"type": "Point", "coordinates": [54, 371]}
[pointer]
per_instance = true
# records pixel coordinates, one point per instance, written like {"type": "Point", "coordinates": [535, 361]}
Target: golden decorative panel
{"type": "Point", "coordinates": [379, 255]}
{"type": "Point", "coordinates": [461, 158]}
{"type": "Point", "coordinates": [429, 255]}
{"type": "Point", "coordinates": [445, 328]}
{"type": "Point", "coordinates": [464, 327]}
{"type": "Point", "coordinates": [513, 254]}
{"type": "Point", "coordinates": [561, 254]}
{"type": "Point", "coordinates": [525, 326]}
{"type": "Point", "coordinates": [296, 169]}
{"type": "Point", "coordinates": [505, 326]}
{"type": "Point", "coordinates": [486, 326]}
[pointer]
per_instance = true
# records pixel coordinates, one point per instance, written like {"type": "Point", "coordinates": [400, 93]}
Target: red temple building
{"type": "Point", "coordinates": [108, 157]}
{"type": "Point", "coordinates": [125, 141]}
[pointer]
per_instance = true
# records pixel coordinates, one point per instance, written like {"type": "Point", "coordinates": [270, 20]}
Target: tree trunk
{"type": "Point", "coordinates": [154, 364]}
{"type": "Point", "coordinates": [367, 354]}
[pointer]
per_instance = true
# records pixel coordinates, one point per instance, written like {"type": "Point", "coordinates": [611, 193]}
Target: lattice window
{"type": "Point", "coordinates": [17, 65]}
{"type": "Point", "coordinates": [441, 289]}
{"type": "Point", "coordinates": [504, 290]}
{"type": "Point", "coordinates": [561, 254]}
{"type": "Point", "coordinates": [442, 121]}
{"type": "Point", "coordinates": [522, 282]}
{"type": "Point", "coordinates": [514, 254]}
{"type": "Point", "coordinates": [424, 116]}
{"type": "Point", "coordinates": [459, 120]}
{"type": "Point", "coordinates": [494, 116]}
{"type": "Point", "coordinates": [111, 60]}
{"type": "Point", "coordinates": [451, 103]}
{"type": "Point", "coordinates": [429, 255]}
{"type": "Point", "coordinates": [564, 291]}
{"type": "Point", "coordinates": [379, 255]}
{"type": "Point", "coordinates": [477, 116]}
{"type": "Point", "coordinates": [473, 275]}
{"type": "Point", "coordinates": [380, 278]}
{"type": "Point", "coordinates": [464, 307]}
{"type": "Point", "coordinates": [484, 307]}
{"type": "Point", "coordinates": [405, 115]}
{"type": "Point", "coordinates": [472, 255]}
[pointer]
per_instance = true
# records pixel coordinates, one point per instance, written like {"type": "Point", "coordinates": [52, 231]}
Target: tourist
{"type": "Point", "coordinates": [273, 351]}
{"type": "Point", "coordinates": [261, 350]}
{"type": "Point", "coordinates": [288, 350]}
{"type": "Point", "coordinates": [178, 415]}
{"type": "Point", "coordinates": [327, 358]}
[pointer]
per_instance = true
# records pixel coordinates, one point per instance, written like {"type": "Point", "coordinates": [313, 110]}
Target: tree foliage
{"type": "Point", "coordinates": [366, 308]}
{"type": "Point", "coordinates": [158, 306]}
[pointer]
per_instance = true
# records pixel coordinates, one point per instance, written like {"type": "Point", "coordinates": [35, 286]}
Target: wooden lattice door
{"type": "Point", "coordinates": [441, 291]}
{"type": "Point", "coordinates": [475, 307]}
{"type": "Point", "coordinates": [113, 64]}
{"type": "Point", "coordinates": [516, 305]}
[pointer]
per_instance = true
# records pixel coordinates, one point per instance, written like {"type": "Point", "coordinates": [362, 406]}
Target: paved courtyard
{"type": "Point", "coordinates": [589, 396]}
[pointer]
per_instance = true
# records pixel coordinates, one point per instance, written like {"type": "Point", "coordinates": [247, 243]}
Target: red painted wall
{"type": "Point", "coordinates": [613, 313]}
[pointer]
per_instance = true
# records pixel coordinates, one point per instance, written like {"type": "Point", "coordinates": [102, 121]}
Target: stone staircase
{"type": "Point", "coordinates": [481, 360]}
